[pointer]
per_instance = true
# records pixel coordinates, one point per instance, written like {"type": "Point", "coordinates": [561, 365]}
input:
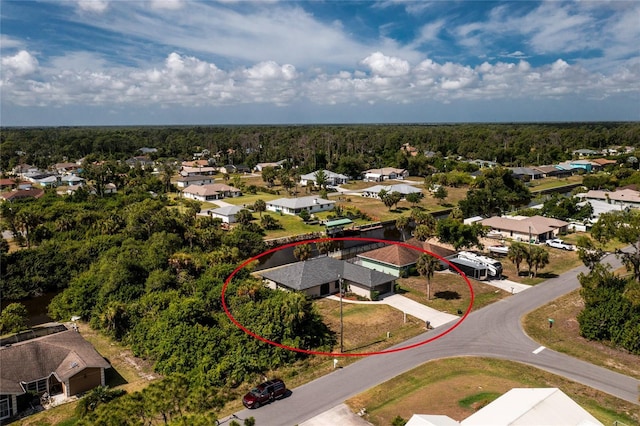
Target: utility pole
{"type": "Point", "coordinates": [341, 322]}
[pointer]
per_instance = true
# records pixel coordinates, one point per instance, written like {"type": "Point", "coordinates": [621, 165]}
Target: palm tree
{"type": "Point", "coordinates": [324, 246]}
{"type": "Point", "coordinates": [540, 258]}
{"type": "Point", "coordinates": [259, 206]}
{"type": "Point", "coordinates": [426, 267]}
{"type": "Point", "coordinates": [302, 252]}
{"type": "Point", "coordinates": [401, 225]}
{"type": "Point", "coordinates": [321, 179]}
{"type": "Point", "coordinates": [517, 254]}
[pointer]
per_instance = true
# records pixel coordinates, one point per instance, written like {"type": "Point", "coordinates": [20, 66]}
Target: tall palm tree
{"type": "Point", "coordinates": [402, 223]}
{"type": "Point", "coordinates": [302, 252]}
{"type": "Point", "coordinates": [426, 267]}
{"type": "Point", "coordinates": [517, 253]}
{"type": "Point", "coordinates": [540, 258]}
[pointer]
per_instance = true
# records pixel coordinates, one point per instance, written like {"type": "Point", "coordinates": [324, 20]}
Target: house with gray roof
{"type": "Point", "coordinates": [294, 206]}
{"type": "Point", "coordinates": [403, 188]}
{"type": "Point", "coordinates": [332, 178]}
{"type": "Point", "coordinates": [58, 363]}
{"type": "Point", "coordinates": [227, 213]}
{"type": "Point", "coordinates": [320, 277]}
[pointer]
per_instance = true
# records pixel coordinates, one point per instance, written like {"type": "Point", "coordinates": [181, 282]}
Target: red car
{"type": "Point", "coordinates": [264, 393]}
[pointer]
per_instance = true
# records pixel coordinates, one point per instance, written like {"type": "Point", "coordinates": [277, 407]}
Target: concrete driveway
{"type": "Point", "coordinates": [338, 415]}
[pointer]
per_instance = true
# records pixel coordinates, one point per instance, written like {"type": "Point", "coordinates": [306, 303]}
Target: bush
{"type": "Point", "coordinates": [398, 421]}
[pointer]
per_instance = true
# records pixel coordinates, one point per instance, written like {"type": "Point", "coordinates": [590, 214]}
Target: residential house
{"type": "Point", "coordinates": [146, 150]}
{"type": "Point", "coordinates": [227, 214]}
{"type": "Point", "coordinates": [404, 189]}
{"type": "Point", "coordinates": [49, 181]}
{"type": "Point", "coordinates": [398, 258]}
{"type": "Point", "coordinates": [526, 173]}
{"type": "Point", "coordinates": [197, 171]}
{"type": "Point", "coordinates": [71, 180]}
{"type": "Point", "coordinates": [582, 153]}
{"type": "Point", "coordinates": [577, 165]}
{"type": "Point", "coordinates": [620, 197]}
{"type": "Point", "coordinates": [552, 171]}
{"type": "Point", "coordinates": [603, 162]}
{"type": "Point", "coordinates": [384, 173]}
{"type": "Point", "coordinates": [64, 168]}
{"type": "Point", "coordinates": [228, 169]}
{"type": "Point", "coordinates": [321, 277]}
{"type": "Point", "coordinates": [21, 194]}
{"type": "Point", "coordinates": [216, 191]}
{"type": "Point", "coordinates": [184, 181]}
{"type": "Point", "coordinates": [195, 163]}
{"type": "Point", "coordinates": [260, 166]}
{"type": "Point", "coordinates": [599, 207]}
{"type": "Point", "coordinates": [140, 160]}
{"type": "Point", "coordinates": [520, 406]}
{"type": "Point", "coordinates": [23, 169]}
{"type": "Point", "coordinates": [483, 164]}
{"type": "Point", "coordinates": [409, 150]}
{"type": "Point", "coordinates": [8, 183]}
{"type": "Point", "coordinates": [332, 178]}
{"type": "Point", "coordinates": [293, 206]}
{"type": "Point", "coordinates": [58, 363]}
{"type": "Point", "coordinates": [524, 228]}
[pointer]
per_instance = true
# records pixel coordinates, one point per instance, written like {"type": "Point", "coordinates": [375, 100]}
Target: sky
{"type": "Point", "coordinates": [179, 62]}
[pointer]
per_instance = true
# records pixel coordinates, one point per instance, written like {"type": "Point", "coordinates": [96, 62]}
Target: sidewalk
{"type": "Point", "coordinates": [509, 286]}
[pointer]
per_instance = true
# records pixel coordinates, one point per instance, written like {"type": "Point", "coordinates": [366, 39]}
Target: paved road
{"type": "Point", "coordinates": [494, 331]}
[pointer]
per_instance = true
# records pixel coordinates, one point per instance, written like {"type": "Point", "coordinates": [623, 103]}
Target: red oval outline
{"type": "Point", "coordinates": [310, 352]}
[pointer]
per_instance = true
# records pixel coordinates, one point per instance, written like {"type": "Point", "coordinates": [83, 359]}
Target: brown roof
{"type": "Point", "coordinates": [604, 161]}
{"type": "Point", "coordinates": [23, 193]}
{"type": "Point", "coordinates": [538, 224]}
{"type": "Point", "coordinates": [7, 182]}
{"type": "Point", "coordinates": [64, 354]}
{"type": "Point", "coordinates": [195, 163]}
{"type": "Point", "coordinates": [211, 189]}
{"type": "Point", "coordinates": [401, 255]}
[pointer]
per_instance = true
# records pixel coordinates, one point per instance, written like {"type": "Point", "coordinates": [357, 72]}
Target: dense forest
{"type": "Point", "coordinates": [344, 149]}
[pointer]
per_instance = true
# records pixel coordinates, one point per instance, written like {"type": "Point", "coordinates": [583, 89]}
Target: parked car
{"type": "Point", "coordinates": [559, 244]}
{"type": "Point", "coordinates": [264, 393]}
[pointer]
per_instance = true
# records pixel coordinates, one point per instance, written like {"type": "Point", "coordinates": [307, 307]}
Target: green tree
{"type": "Point", "coordinates": [270, 223]}
{"type": "Point", "coordinates": [324, 246]}
{"type": "Point", "coordinates": [539, 258]}
{"type": "Point", "coordinates": [517, 254]}
{"type": "Point", "coordinates": [244, 217]}
{"type": "Point", "coordinates": [414, 198]}
{"type": "Point", "coordinates": [13, 318]}
{"type": "Point", "coordinates": [460, 235]}
{"type": "Point", "coordinates": [495, 192]}
{"type": "Point", "coordinates": [426, 267]}
{"type": "Point", "coordinates": [441, 194]}
{"type": "Point", "coordinates": [402, 223]}
{"type": "Point", "coordinates": [302, 252]}
{"type": "Point", "coordinates": [321, 179]}
{"type": "Point", "coordinates": [588, 252]}
{"type": "Point", "coordinates": [625, 227]}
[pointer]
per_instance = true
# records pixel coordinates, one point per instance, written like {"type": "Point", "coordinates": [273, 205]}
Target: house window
{"type": "Point", "coordinates": [37, 386]}
{"type": "Point", "coordinates": [5, 406]}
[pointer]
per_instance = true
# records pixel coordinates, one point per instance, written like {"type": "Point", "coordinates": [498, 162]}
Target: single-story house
{"type": "Point", "coordinates": [228, 169]}
{"type": "Point", "coordinates": [195, 163]}
{"type": "Point", "coordinates": [397, 259]}
{"type": "Point", "coordinates": [215, 191]}
{"type": "Point", "coordinates": [526, 173]}
{"type": "Point", "coordinates": [622, 197]}
{"type": "Point", "coordinates": [520, 406]}
{"type": "Point", "coordinates": [227, 213]}
{"type": "Point", "coordinates": [599, 207]}
{"type": "Point", "coordinates": [276, 165]}
{"type": "Point", "coordinates": [71, 180]}
{"type": "Point", "coordinates": [22, 169]}
{"type": "Point", "coordinates": [63, 168]}
{"type": "Point", "coordinates": [581, 153]}
{"type": "Point", "coordinates": [59, 363]}
{"type": "Point", "coordinates": [293, 206]}
{"type": "Point", "coordinates": [384, 173]}
{"type": "Point", "coordinates": [523, 228]}
{"type": "Point", "coordinates": [197, 171]}
{"type": "Point", "coordinates": [603, 162]}
{"type": "Point", "coordinates": [19, 194]}
{"type": "Point", "coordinates": [49, 181]}
{"type": "Point", "coordinates": [331, 178]}
{"type": "Point", "coordinates": [575, 165]}
{"type": "Point", "coordinates": [552, 171]}
{"type": "Point", "coordinates": [140, 160]}
{"type": "Point", "coordinates": [320, 277]}
{"type": "Point", "coordinates": [484, 163]}
{"type": "Point", "coordinates": [7, 183]}
{"type": "Point", "coordinates": [404, 189]}
{"type": "Point", "coordinates": [184, 181]}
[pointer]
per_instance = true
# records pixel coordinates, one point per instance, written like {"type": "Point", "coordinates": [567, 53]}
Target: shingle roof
{"type": "Point", "coordinates": [210, 189]}
{"type": "Point", "coordinates": [65, 353]}
{"type": "Point", "coordinates": [402, 188]}
{"type": "Point", "coordinates": [538, 224]}
{"type": "Point", "coordinates": [322, 270]}
{"type": "Point", "coordinates": [626, 195]}
{"type": "Point", "coordinates": [227, 210]}
{"type": "Point", "coordinates": [401, 255]}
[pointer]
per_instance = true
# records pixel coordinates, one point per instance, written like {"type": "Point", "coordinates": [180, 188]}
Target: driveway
{"type": "Point", "coordinates": [410, 307]}
{"type": "Point", "coordinates": [338, 415]}
{"type": "Point", "coordinates": [510, 286]}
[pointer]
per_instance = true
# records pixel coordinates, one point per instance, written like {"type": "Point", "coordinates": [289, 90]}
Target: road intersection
{"type": "Point", "coordinates": [493, 331]}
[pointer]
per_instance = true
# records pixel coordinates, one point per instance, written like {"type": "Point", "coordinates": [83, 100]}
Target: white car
{"type": "Point", "coordinates": [559, 244]}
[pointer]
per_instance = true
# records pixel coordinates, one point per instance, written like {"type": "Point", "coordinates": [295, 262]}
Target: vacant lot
{"type": "Point", "coordinates": [565, 336]}
{"type": "Point", "coordinates": [457, 387]}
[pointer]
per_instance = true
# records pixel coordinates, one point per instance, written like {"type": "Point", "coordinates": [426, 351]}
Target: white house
{"type": "Point", "coordinates": [331, 178]}
{"type": "Point", "coordinates": [210, 192]}
{"type": "Point", "coordinates": [197, 171]}
{"type": "Point", "coordinates": [293, 206]}
{"type": "Point", "coordinates": [385, 173]}
{"type": "Point", "coordinates": [522, 228]}
{"type": "Point", "coordinates": [184, 181]}
{"type": "Point", "coordinates": [622, 197]}
{"type": "Point", "coordinates": [404, 189]}
{"type": "Point", "coordinates": [227, 214]}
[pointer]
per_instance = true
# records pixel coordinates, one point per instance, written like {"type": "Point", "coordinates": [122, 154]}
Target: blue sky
{"type": "Point", "coordinates": [122, 62]}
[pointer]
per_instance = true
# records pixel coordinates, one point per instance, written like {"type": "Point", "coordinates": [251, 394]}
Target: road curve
{"type": "Point", "coordinates": [494, 331]}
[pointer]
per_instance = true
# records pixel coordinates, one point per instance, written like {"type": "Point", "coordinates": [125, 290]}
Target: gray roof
{"type": "Point", "coordinates": [227, 210]}
{"type": "Point", "coordinates": [402, 188]}
{"type": "Point", "coordinates": [64, 354]}
{"type": "Point", "coordinates": [299, 203]}
{"type": "Point", "coordinates": [322, 270]}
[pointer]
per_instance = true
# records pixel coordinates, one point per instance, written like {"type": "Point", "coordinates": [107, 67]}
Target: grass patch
{"type": "Point", "coordinates": [479, 400]}
{"type": "Point", "coordinates": [439, 387]}
{"type": "Point", "coordinates": [565, 336]}
{"type": "Point", "coordinates": [548, 183]}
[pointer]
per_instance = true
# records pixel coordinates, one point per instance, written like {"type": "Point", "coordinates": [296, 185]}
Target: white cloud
{"type": "Point", "coordinates": [7, 42]}
{"type": "Point", "coordinates": [95, 6]}
{"type": "Point", "coordinates": [20, 64]}
{"type": "Point", "coordinates": [167, 4]}
{"type": "Point", "coordinates": [386, 66]}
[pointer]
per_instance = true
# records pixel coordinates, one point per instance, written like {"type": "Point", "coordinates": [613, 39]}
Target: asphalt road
{"type": "Point", "coordinates": [494, 331]}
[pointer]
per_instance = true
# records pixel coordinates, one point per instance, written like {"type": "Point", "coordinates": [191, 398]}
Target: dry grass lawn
{"type": "Point", "coordinates": [457, 387]}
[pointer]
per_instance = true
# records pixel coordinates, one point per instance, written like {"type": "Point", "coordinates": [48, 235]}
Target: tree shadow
{"type": "Point", "coordinates": [547, 275]}
{"type": "Point", "coordinates": [364, 346]}
{"type": "Point", "coordinates": [447, 295]}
